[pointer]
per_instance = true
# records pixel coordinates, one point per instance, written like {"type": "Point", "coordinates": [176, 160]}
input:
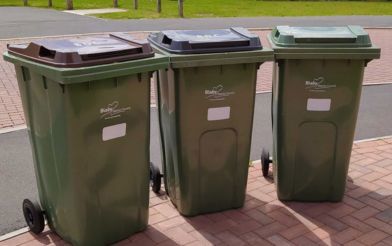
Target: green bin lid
{"type": "Point", "coordinates": [313, 37]}
{"type": "Point", "coordinates": [83, 51]}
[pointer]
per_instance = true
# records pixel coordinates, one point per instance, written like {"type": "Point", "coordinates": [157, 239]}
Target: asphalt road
{"type": "Point", "coordinates": [17, 180]}
{"type": "Point", "coordinates": [16, 22]}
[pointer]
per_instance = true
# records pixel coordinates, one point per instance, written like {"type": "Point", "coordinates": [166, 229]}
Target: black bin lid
{"type": "Point", "coordinates": [84, 51]}
{"type": "Point", "coordinates": [205, 41]}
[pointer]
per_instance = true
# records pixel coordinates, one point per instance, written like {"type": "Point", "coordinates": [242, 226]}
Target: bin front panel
{"type": "Point", "coordinates": [91, 149]}
{"type": "Point", "coordinates": [206, 116]}
{"type": "Point", "coordinates": [315, 106]}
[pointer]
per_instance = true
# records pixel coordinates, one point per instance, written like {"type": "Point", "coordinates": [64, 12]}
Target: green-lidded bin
{"type": "Point", "coordinates": [87, 108]}
{"type": "Point", "coordinates": [206, 104]}
{"type": "Point", "coordinates": [317, 83]}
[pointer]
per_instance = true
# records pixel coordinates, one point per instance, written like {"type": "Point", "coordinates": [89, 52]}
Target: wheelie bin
{"type": "Point", "coordinates": [317, 83]}
{"type": "Point", "coordinates": [87, 108]}
{"type": "Point", "coordinates": [206, 104]}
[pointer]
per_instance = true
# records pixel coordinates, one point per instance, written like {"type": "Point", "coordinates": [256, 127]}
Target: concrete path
{"type": "Point", "coordinates": [16, 159]}
{"type": "Point", "coordinates": [16, 22]}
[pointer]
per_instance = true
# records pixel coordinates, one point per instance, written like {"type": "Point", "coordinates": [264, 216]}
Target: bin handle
{"type": "Point", "coordinates": [46, 53]}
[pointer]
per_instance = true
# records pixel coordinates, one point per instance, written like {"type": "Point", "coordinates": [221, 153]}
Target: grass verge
{"type": "Point", "coordinates": [224, 8]}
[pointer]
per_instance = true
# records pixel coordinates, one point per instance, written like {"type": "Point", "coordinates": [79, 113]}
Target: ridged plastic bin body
{"type": "Point", "coordinates": [316, 94]}
{"type": "Point", "coordinates": [94, 190]}
{"type": "Point", "coordinates": [312, 148]}
{"type": "Point", "coordinates": [205, 136]}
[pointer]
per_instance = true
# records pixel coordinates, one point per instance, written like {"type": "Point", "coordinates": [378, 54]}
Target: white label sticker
{"type": "Point", "coordinates": [317, 104]}
{"type": "Point", "coordinates": [115, 131]}
{"type": "Point", "coordinates": [221, 113]}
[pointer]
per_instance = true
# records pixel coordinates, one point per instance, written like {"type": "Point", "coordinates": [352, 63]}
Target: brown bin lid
{"type": "Point", "coordinates": [84, 51]}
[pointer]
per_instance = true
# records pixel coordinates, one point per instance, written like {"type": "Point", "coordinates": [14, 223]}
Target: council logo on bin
{"type": "Point", "coordinates": [217, 93]}
{"type": "Point", "coordinates": [317, 84]}
{"type": "Point", "coordinates": [112, 110]}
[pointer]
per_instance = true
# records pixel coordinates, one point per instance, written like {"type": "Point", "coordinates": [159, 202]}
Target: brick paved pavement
{"type": "Point", "coordinates": [11, 112]}
{"type": "Point", "coordinates": [363, 218]}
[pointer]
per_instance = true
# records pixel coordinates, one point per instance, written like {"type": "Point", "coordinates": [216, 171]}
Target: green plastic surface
{"type": "Point", "coordinates": [217, 59]}
{"type": "Point", "coordinates": [314, 111]}
{"type": "Point", "coordinates": [83, 74]}
{"type": "Point", "coordinates": [206, 161]}
{"type": "Point", "coordinates": [351, 42]}
{"type": "Point", "coordinates": [94, 189]}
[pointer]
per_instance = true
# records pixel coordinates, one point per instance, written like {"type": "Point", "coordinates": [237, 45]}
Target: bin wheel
{"type": "Point", "coordinates": [265, 162]}
{"type": "Point", "coordinates": [155, 177]}
{"type": "Point", "coordinates": [34, 216]}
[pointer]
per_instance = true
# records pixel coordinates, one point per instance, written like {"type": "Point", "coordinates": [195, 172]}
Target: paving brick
{"type": "Point", "coordinates": [380, 193]}
{"type": "Point", "coordinates": [23, 238]}
{"type": "Point", "coordinates": [156, 218]}
{"type": "Point", "coordinates": [168, 242]}
{"type": "Point", "coordinates": [319, 234]}
{"type": "Point", "coordinates": [353, 202]}
{"type": "Point", "coordinates": [251, 204]}
{"type": "Point", "coordinates": [283, 218]}
{"type": "Point", "coordinates": [278, 240]}
{"type": "Point", "coordinates": [373, 176]}
{"type": "Point", "coordinates": [372, 237]}
{"type": "Point", "coordinates": [388, 241]}
{"type": "Point", "coordinates": [170, 223]}
{"type": "Point", "coordinates": [202, 222]}
{"type": "Point", "coordinates": [294, 231]}
{"type": "Point", "coordinates": [205, 238]}
{"type": "Point", "coordinates": [309, 223]}
{"type": "Point", "coordinates": [252, 238]}
{"type": "Point", "coordinates": [387, 178]}
{"type": "Point", "coordinates": [270, 229]}
{"type": "Point", "coordinates": [155, 235]}
{"type": "Point", "coordinates": [358, 192]}
{"type": "Point", "coordinates": [260, 195]}
{"type": "Point", "coordinates": [385, 215]}
{"type": "Point", "coordinates": [166, 210]}
{"type": "Point", "coordinates": [215, 217]}
{"type": "Point", "coordinates": [219, 226]}
{"type": "Point", "coordinates": [236, 215]}
{"type": "Point", "coordinates": [379, 225]}
{"type": "Point", "coordinates": [138, 239]}
{"type": "Point", "coordinates": [317, 209]}
{"type": "Point", "coordinates": [302, 240]}
{"type": "Point", "coordinates": [179, 236]}
{"type": "Point", "coordinates": [373, 203]}
{"type": "Point", "coordinates": [346, 235]}
{"type": "Point", "coordinates": [356, 224]}
{"type": "Point", "coordinates": [341, 210]}
{"type": "Point", "coordinates": [245, 227]}
{"type": "Point", "coordinates": [354, 243]}
{"type": "Point", "coordinates": [259, 216]}
{"type": "Point", "coordinates": [332, 222]}
{"type": "Point", "coordinates": [229, 238]}
{"type": "Point", "coordinates": [365, 213]}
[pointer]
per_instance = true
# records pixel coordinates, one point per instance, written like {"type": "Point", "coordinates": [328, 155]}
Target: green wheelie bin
{"type": "Point", "coordinates": [317, 82]}
{"type": "Point", "coordinates": [87, 108]}
{"type": "Point", "coordinates": [206, 103]}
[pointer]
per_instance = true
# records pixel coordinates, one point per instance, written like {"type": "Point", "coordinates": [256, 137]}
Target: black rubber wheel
{"type": "Point", "coordinates": [265, 162]}
{"type": "Point", "coordinates": [34, 216]}
{"type": "Point", "coordinates": [155, 177]}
